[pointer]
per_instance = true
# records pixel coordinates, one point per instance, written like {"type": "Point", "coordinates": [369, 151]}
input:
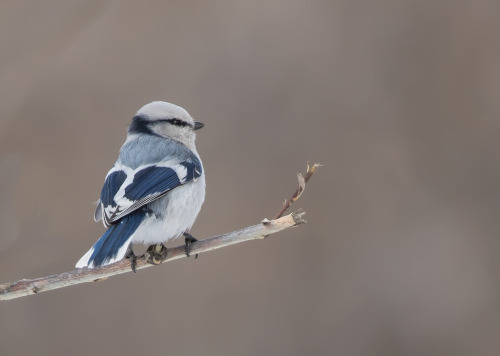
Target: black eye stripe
{"type": "Point", "coordinates": [142, 125]}
{"type": "Point", "coordinates": [176, 122]}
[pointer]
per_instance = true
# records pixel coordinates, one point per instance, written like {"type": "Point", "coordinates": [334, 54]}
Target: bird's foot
{"type": "Point", "coordinates": [133, 258]}
{"type": "Point", "coordinates": [157, 253]}
{"type": "Point", "coordinates": [188, 240]}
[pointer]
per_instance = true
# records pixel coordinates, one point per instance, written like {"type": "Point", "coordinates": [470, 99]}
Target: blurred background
{"type": "Point", "coordinates": [398, 99]}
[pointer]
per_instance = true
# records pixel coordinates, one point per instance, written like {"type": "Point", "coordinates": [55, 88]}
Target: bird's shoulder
{"type": "Point", "coordinates": [150, 149]}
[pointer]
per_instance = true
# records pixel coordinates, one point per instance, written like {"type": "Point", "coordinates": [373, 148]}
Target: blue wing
{"type": "Point", "coordinates": [113, 182]}
{"type": "Point", "coordinates": [125, 190]}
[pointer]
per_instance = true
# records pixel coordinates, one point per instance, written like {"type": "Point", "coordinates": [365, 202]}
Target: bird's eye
{"type": "Point", "coordinates": [178, 122]}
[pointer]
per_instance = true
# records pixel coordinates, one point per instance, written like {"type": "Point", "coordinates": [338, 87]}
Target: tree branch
{"type": "Point", "coordinates": [26, 287]}
{"type": "Point", "coordinates": [32, 286]}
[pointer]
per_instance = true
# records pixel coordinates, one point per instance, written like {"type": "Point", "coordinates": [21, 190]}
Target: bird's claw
{"type": "Point", "coordinates": [133, 258]}
{"type": "Point", "coordinates": [157, 253]}
{"type": "Point", "coordinates": [188, 240]}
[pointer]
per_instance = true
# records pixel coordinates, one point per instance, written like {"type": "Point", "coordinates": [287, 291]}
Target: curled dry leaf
{"type": "Point", "coordinates": [301, 188]}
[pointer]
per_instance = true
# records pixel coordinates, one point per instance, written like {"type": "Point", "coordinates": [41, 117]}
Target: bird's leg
{"type": "Point", "coordinates": [133, 258]}
{"type": "Point", "coordinates": [157, 253]}
{"type": "Point", "coordinates": [188, 240]}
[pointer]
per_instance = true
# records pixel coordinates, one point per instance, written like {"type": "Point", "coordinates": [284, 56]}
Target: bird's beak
{"type": "Point", "coordinates": [198, 125]}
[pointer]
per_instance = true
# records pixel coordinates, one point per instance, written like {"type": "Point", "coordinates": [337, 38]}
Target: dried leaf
{"type": "Point", "coordinates": [302, 187]}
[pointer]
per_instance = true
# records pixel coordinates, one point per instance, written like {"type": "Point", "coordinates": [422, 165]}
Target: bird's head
{"type": "Point", "coordinates": [166, 120]}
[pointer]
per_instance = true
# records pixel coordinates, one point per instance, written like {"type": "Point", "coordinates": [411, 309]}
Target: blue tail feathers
{"type": "Point", "coordinates": [112, 246]}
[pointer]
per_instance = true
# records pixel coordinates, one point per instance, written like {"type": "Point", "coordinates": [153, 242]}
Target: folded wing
{"type": "Point", "coordinates": [126, 190]}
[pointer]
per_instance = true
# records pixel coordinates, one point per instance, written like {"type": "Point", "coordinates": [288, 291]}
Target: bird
{"type": "Point", "coordinates": [154, 191]}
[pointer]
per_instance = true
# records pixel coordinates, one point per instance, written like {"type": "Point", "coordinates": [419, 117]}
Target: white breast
{"type": "Point", "coordinates": [179, 209]}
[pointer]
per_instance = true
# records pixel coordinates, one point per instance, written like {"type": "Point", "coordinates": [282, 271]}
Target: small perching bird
{"type": "Point", "coordinates": [154, 191]}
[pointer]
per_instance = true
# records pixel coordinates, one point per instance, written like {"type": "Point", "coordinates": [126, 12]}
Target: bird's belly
{"type": "Point", "coordinates": [170, 216]}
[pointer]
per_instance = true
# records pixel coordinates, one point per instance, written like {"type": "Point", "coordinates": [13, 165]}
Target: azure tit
{"type": "Point", "coordinates": [155, 189]}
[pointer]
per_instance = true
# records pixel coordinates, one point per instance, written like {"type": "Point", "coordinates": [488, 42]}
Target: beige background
{"type": "Point", "coordinates": [400, 101]}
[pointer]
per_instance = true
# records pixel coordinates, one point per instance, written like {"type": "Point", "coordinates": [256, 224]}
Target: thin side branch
{"type": "Point", "coordinates": [26, 287]}
{"type": "Point", "coordinates": [302, 185]}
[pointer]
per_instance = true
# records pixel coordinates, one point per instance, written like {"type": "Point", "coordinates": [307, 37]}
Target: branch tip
{"type": "Point", "coordinates": [310, 170]}
{"type": "Point", "coordinates": [297, 218]}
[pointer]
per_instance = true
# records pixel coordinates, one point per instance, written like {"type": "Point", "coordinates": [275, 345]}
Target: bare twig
{"type": "Point", "coordinates": [302, 185]}
{"type": "Point", "coordinates": [26, 287]}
